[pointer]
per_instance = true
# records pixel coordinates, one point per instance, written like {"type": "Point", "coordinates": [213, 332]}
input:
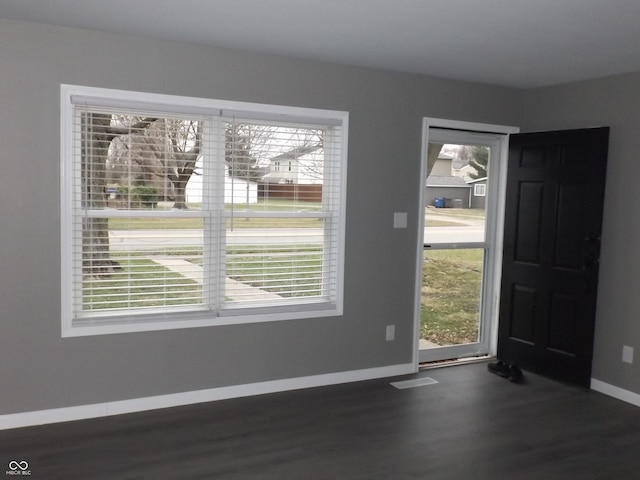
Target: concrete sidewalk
{"type": "Point", "coordinates": [234, 290]}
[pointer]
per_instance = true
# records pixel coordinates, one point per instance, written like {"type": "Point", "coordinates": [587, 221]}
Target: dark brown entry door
{"type": "Point", "coordinates": [553, 219]}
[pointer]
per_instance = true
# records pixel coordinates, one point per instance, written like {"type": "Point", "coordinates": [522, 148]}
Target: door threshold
{"type": "Point", "coordinates": [452, 362]}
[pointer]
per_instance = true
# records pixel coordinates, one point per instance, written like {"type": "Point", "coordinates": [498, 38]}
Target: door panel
{"type": "Point", "coordinates": [553, 212]}
{"type": "Point", "coordinates": [571, 203]}
{"type": "Point", "coordinates": [563, 321]}
{"type": "Point", "coordinates": [523, 313]}
{"type": "Point", "coordinates": [527, 241]}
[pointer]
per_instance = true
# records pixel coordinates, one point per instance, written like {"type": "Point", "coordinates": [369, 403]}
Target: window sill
{"type": "Point", "coordinates": [156, 322]}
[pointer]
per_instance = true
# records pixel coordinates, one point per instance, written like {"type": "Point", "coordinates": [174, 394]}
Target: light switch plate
{"type": "Point", "coordinates": [390, 333]}
{"type": "Point", "coordinates": [400, 220]}
{"type": "Point", "coordinates": [627, 354]}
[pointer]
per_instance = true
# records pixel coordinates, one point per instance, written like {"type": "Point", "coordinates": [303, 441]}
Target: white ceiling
{"type": "Point", "coordinates": [518, 43]}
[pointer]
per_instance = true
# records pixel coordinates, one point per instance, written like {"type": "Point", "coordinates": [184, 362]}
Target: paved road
{"type": "Point", "coordinates": [434, 235]}
{"type": "Point", "coordinates": [468, 229]}
{"type": "Point", "coordinates": [154, 239]}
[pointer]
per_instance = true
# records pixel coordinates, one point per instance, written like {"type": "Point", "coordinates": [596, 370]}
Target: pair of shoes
{"type": "Point", "coordinates": [510, 371]}
{"type": "Point", "coordinates": [499, 368]}
{"type": "Point", "coordinates": [515, 374]}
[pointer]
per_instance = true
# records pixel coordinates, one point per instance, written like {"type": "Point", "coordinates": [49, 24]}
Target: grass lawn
{"type": "Point", "coordinates": [139, 283]}
{"type": "Point", "coordinates": [451, 282]}
{"type": "Point", "coordinates": [439, 223]}
{"type": "Point", "coordinates": [190, 223]}
{"type": "Point", "coordinates": [476, 213]}
{"type": "Point", "coordinates": [155, 223]}
{"type": "Point", "coordinates": [283, 270]}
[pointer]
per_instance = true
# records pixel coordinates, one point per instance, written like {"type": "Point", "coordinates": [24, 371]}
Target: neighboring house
{"type": "Point", "coordinates": [441, 183]}
{"type": "Point", "coordinates": [301, 165]}
{"type": "Point", "coordinates": [478, 192]}
{"type": "Point", "coordinates": [454, 190]}
{"type": "Point", "coordinates": [464, 172]}
{"type": "Point", "coordinates": [443, 165]}
{"type": "Point", "coordinates": [235, 189]}
{"type": "Point", "coordinates": [455, 186]}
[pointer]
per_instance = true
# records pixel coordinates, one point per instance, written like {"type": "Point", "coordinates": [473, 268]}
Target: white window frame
{"type": "Point", "coordinates": [480, 190]}
{"type": "Point", "coordinates": [71, 94]}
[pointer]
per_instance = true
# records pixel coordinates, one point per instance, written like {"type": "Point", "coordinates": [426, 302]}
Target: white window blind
{"type": "Point", "coordinates": [172, 215]}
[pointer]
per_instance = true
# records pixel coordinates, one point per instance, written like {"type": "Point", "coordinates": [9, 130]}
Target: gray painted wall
{"type": "Point", "coordinates": [40, 370]}
{"type": "Point", "coordinates": [613, 102]}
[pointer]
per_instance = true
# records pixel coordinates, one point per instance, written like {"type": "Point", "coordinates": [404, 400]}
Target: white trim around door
{"type": "Point", "coordinates": [497, 136]}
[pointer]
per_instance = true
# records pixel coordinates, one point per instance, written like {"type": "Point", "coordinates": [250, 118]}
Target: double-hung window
{"type": "Point", "coordinates": [175, 212]}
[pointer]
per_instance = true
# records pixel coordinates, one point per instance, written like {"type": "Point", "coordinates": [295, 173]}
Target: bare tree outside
{"type": "Point", "coordinates": [161, 156]}
{"type": "Point", "coordinates": [433, 152]}
{"type": "Point", "coordinates": [479, 161]}
{"type": "Point", "coordinates": [98, 130]}
{"type": "Point", "coordinates": [149, 159]}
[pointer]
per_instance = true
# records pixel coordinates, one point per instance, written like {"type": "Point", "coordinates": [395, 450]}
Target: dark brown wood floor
{"type": "Point", "coordinates": [470, 425]}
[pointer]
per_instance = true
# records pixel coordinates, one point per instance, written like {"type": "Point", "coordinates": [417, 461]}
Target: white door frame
{"type": "Point", "coordinates": [491, 294]}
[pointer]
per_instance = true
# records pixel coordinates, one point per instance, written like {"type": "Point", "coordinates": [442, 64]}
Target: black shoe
{"type": "Point", "coordinates": [499, 368]}
{"type": "Point", "coordinates": [515, 374]}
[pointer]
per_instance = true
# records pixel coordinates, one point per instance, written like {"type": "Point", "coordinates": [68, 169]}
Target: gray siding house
{"type": "Point", "coordinates": [478, 193]}
{"type": "Point", "coordinates": [454, 190]}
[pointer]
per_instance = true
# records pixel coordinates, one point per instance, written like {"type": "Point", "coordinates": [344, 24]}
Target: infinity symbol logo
{"type": "Point", "coordinates": [23, 465]}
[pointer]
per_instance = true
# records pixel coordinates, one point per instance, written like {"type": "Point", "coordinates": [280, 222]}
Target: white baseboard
{"type": "Point", "coordinates": [81, 412]}
{"type": "Point", "coordinates": [615, 392]}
